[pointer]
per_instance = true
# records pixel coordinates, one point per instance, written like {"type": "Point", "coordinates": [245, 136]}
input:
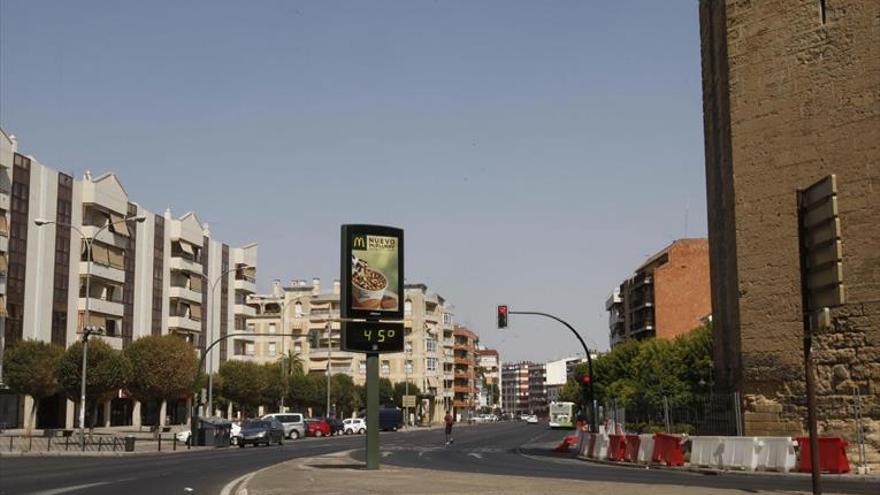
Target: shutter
{"type": "Point", "coordinates": [100, 254]}
{"type": "Point", "coordinates": [186, 248]}
{"type": "Point", "coordinates": [117, 258]}
{"type": "Point", "coordinates": [195, 312]}
{"type": "Point", "coordinates": [119, 225]}
{"type": "Point", "coordinates": [4, 265]}
{"type": "Point", "coordinates": [4, 226]}
{"type": "Point", "coordinates": [195, 283]}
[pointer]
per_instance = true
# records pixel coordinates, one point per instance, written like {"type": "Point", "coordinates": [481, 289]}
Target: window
{"type": "Point", "coordinates": [386, 367]}
{"type": "Point", "coordinates": [314, 336]}
{"type": "Point", "coordinates": [251, 327]}
{"type": "Point", "coordinates": [362, 367]}
{"type": "Point", "coordinates": [271, 328]}
{"type": "Point", "coordinates": [408, 347]}
{"type": "Point", "coordinates": [407, 307]}
{"type": "Point", "coordinates": [298, 310]}
{"type": "Point", "coordinates": [272, 349]}
{"type": "Point", "coordinates": [408, 367]}
{"type": "Point", "coordinates": [249, 349]}
{"type": "Point", "coordinates": [297, 347]}
{"type": "Point", "coordinates": [431, 364]}
{"type": "Point", "coordinates": [431, 344]}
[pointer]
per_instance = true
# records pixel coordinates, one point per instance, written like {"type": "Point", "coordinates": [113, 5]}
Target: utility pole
{"type": "Point", "coordinates": [329, 355]}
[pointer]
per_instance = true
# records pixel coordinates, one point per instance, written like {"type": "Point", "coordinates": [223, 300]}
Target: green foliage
{"type": "Point", "coordinates": [107, 370]}
{"type": "Point", "coordinates": [307, 391]}
{"type": "Point", "coordinates": [166, 368]}
{"type": "Point", "coordinates": [344, 395]}
{"type": "Point", "coordinates": [639, 374]}
{"type": "Point", "coordinates": [243, 383]}
{"type": "Point", "coordinates": [29, 367]}
{"type": "Point", "coordinates": [399, 390]}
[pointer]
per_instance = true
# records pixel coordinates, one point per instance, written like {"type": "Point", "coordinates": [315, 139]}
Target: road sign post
{"type": "Point", "coordinates": [371, 307]}
{"type": "Point", "coordinates": [821, 270]}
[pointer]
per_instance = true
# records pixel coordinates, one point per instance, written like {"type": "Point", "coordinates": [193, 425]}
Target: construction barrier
{"type": "Point", "coordinates": [632, 448]}
{"type": "Point", "coordinates": [776, 454]}
{"type": "Point", "coordinates": [667, 450]}
{"type": "Point", "coordinates": [832, 455]}
{"type": "Point", "coordinates": [600, 449]}
{"type": "Point", "coordinates": [743, 453]}
{"type": "Point", "coordinates": [707, 451]}
{"type": "Point", "coordinates": [616, 447]}
{"type": "Point", "coordinates": [646, 448]}
{"type": "Point", "coordinates": [566, 443]}
{"type": "Point", "coordinates": [590, 445]}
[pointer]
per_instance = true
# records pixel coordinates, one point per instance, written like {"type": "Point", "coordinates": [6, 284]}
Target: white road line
{"type": "Point", "coordinates": [68, 489]}
{"type": "Point", "coordinates": [474, 454]}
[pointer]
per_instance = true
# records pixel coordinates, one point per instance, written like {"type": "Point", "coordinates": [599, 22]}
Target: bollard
{"type": "Point", "coordinates": [49, 444]}
{"type": "Point", "coordinates": [30, 443]}
{"type": "Point", "coordinates": [66, 443]}
{"type": "Point", "coordinates": [174, 443]}
{"type": "Point", "coordinates": [10, 443]}
{"type": "Point", "coordinates": [160, 442]}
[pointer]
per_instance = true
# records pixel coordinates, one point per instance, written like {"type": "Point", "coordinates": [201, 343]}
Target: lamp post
{"type": "Point", "coordinates": [87, 329]}
{"type": "Point", "coordinates": [210, 404]}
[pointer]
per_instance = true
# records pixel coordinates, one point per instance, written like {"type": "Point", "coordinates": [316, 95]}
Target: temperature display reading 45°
{"type": "Point", "coordinates": [372, 336]}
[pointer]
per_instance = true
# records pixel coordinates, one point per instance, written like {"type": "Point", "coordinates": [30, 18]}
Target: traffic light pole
{"type": "Point", "coordinates": [594, 420]}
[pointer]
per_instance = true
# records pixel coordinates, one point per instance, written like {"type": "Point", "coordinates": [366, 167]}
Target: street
{"type": "Point", "coordinates": [512, 448]}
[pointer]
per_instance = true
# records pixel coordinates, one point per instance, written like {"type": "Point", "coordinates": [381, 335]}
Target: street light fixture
{"type": "Point", "coordinates": [87, 330]}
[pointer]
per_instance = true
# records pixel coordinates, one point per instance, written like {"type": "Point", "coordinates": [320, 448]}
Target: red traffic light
{"type": "Point", "coordinates": [502, 316]}
{"type": "Point", "coordinates": [586, 378]}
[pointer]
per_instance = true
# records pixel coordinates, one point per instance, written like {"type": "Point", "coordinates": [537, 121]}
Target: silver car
{"type": "Point", "coordinates": [294, 426]}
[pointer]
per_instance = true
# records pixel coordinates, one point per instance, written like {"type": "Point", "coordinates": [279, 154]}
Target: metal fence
{"type": "Point", "coordinates": [710, 415]}
{"type": "Point", "coordinates": [92, 443]}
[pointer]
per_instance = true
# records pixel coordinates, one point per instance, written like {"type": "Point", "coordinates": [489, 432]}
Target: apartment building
{"type": "Point", "coordinates": [151, 275]}
{"type": "Point", "coordinates": [515, 387]}
{"type": "Point", "coordinates": [488, 377]}
{"type": "Point", "coordinates": [557, 374]}
{"type": "Point", "coordinates": [464, 369]}
{"type": "Point", "coordinates": [311, 315]}
{"type": "Point", "coordinates": [669, 295]}
{"type": "Point", "coordinates": [538, 389]}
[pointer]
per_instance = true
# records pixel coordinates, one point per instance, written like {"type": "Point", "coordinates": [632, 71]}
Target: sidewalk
{"type": "Point", "coordinates": [340, 474]}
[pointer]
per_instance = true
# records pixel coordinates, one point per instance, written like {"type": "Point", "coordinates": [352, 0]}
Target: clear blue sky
{"type": "Point", "coordinates": [534, 152]}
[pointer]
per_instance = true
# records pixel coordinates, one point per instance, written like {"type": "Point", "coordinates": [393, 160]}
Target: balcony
{"type": "Point", "coordinates": [184, 323]}
{"type": "Point", "coordinates": [114, 342]}
{"type": "Point", "coordinates": [244, 285]}
{"type": "Point", "coordinates": [460, 360]}
{"type": "Point", "coordinates": [461, 389]}
{"type": "Point", "coordinates": [185, 264]}
{"type": "Point", "coordinates": [432, 317]}
{"type": "Point", "coordinates": [244, 337]}
{"type": "Point", "coordinates": [102, 306]}
{"type": "Point", "coordinates": [105, 272]}
{"type": "Point", "coordinates": [4, 200]}
{"type": "Point", "coordinates": [245, 310]}
{"type": "Point", "coordinates": [242, 357]}
{"type": "Point", "coordinates": [4, 243]}
{"type": "Point", "coordinates": [105, 236]}
{"type": "Point", "coordinates": [185, 294]}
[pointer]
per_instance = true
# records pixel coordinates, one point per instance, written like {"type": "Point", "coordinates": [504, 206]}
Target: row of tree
{"type": "Point", "coordinates": [151, 368]}
{"type": "Point", "coordinates": [640, 374]}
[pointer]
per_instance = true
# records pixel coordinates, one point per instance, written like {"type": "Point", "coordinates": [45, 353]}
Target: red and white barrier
{"type": "Point", "coordinates": [776, 454]}
{"type": "Point", "coordinates": [646, 448]}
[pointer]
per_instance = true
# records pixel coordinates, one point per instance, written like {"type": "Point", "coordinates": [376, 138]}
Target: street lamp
{"type": "Point", "coordinates": [87, 330]}
{"type": "Point", "coordinates": [210, 404]}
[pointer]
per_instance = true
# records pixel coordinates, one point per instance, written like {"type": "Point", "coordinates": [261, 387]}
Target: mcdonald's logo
{"type": "Point", "coordinates": [359, 242]}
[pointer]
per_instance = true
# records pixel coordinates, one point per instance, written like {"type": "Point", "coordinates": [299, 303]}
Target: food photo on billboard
{"type": "Point", "coordinates": [375, 270]}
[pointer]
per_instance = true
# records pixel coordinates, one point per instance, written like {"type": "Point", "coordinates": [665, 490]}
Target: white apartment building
{"type": "Point", "coordinates": [489, 364]}
{"type": "Point", "coordinates": [156, 275]}
{"type": "Point", "coordinates": [310, 316]}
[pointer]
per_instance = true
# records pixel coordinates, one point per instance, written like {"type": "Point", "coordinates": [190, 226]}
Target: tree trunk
{"type": "Point", "coordinates": [33, 419]}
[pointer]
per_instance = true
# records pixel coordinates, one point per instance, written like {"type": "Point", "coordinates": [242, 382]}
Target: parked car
{"type": "Point", "coordinates": [317, 427]}
{"type": "Point", "coordinates": [531, 419]}
{"type": "Point", "coordinates": [390, 419]}
{"type": "Point", "coordinates": [261, 431]}
{"type": "Point", "coordinates": [235, 433]}
{"type": "Point", "coordinates": [337, 427]}
{"type": "Point", "coordinates": [353, 426]}
{"type": "Point", "coordinates": [294, 425]}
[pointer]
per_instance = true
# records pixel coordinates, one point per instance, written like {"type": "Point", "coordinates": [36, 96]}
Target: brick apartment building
{"type": "Point", "coordinates": [668, 296]}
{"type": "Point", "coordinates": [790, 95]}
{"type": "Point", "coordinates": [515, 387]}
{"type": "Point", "coordinates": [464, 367]}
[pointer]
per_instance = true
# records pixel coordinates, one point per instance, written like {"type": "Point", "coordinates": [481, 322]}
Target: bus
{"type": "Point", "coordinates": [562, 415]}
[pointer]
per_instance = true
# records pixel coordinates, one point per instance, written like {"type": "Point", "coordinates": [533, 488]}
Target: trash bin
{"type": "Point", "coordinates": [129, 443]}
{"type": "Point", "coordinates": [213, 432]}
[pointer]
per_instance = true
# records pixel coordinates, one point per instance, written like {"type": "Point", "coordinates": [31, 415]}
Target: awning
{"type": "Point", "coordinates": [195, 283]}
{"type": "Point", "coordinates": [195, 312]}
{"type": "Point", "coordinates": [3, 305]}
{"type": "Point", "coordinates": [118, 224]}
{"type": "Point", "coordinates": [186, 248]}
{"type": "Point", "coordinates": [117, 258]}
{"type": "Point", "coordinates": [4, 226]}
{"type": "Point", "coordinates": [100, 254]}
{"type": "Point", "coordinates": [3, 263]}
{"type": "Point", "coordinates": [95, 320]}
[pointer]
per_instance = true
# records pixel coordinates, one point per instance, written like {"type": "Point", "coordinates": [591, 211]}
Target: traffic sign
{"type": "Point", "coordinates": [409, 401]}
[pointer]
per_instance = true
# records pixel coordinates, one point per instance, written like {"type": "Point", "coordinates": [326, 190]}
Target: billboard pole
{"type": "Point", "coordinates": [372, 410]}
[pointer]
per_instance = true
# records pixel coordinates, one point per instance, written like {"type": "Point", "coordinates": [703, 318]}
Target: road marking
{"type": "Point", "coordinates": [474, 454]}
{"type": "Point", "coordinates": [68, 489]}
{"type": "Point", "coordinates": [231, 487]}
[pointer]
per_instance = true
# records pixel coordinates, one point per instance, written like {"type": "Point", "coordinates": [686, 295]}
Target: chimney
{"type": "Point", "coordinates": [336, 287]}
{"type": "Point", "coordinates": [316, 286]}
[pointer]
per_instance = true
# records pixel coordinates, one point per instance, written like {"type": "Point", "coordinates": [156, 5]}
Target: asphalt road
{"type": "Point", "coordinates": [503, 448]}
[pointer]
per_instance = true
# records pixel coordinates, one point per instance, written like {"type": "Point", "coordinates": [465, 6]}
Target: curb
{"type": "Point", "coordinates": [718, 472]}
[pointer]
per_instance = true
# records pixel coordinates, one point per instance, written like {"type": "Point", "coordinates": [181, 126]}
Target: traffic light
{"type": "Point", "coordinates": [502, 316]}
{"type": "Point", "coordinates": [586, 379]}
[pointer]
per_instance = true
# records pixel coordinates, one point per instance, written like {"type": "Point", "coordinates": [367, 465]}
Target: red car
{"type": "Point", "coordinates": [317, 428]}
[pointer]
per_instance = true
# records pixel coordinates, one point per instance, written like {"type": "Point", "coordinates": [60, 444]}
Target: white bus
{"type": "Point", "coordinates": [562, 415]}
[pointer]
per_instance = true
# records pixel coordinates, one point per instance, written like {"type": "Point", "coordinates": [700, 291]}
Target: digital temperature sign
{"type": "Point", "coordinates": [372, 336]}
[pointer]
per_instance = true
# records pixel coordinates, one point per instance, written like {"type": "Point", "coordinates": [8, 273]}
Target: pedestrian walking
{"type": "Point", "coordinates": [449, 420]}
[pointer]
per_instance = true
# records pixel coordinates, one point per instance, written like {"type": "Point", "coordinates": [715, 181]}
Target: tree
{"type": "Point", "coordinates": [29, 368]}
{"type": "Point", "coordinates": [386, 393]}
{"type": "Point", "coordinates": [399, 391]}
{"type": "Point", "coordinates": [343, 395]}
{"type": "Point", "coordinates": [243, 383]}
{"type": "Point", "coordinates": [166, 368]}
{"type": "Point", "coordinates": [108, 370]}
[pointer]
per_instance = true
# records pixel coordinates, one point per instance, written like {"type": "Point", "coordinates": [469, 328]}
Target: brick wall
{"type": "Point", "coordinates": [681, 288]}
{"type": "Point", "coordinates": [791, 95]}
